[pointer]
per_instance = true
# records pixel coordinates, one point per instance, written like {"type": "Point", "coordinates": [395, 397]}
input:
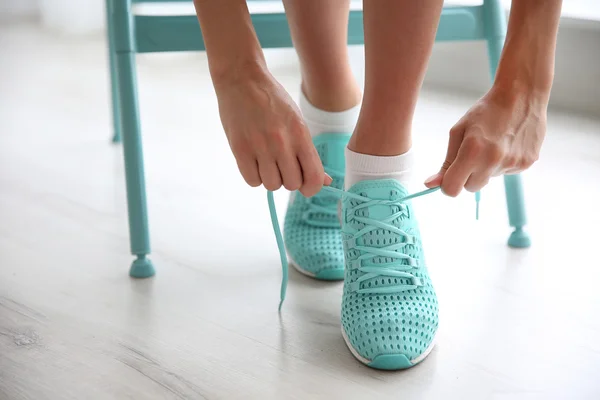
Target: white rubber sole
{"type": "Point", "coordinates": [368, 362]}
{"type": "Point", "coordinates": [332, 275]}
{"type": "Point", "coordinates": [297, 268]}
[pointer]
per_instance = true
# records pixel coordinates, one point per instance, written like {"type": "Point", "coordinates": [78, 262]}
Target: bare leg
{"type": "Point", "coordinates": [399, 36]}
{"type": "Point", "coordinates": [320, 33]}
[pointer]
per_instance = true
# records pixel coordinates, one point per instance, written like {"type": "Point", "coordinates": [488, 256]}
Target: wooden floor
{"type": "Point", "coordinates": [515, 324]}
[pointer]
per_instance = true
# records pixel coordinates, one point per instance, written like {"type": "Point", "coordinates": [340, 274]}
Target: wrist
{"type": "Point", "coordinates": [234, 52]}
{"type": "Point", "coordinates": [523, 73]}
{"type": "Point", "coordinates": [517, 98]}
{"type": "Point", "coordinates": [238, 71]}
{"type": "Point", "coordinates": [527, 62]}
{"type": "Point", "coordinates": [512, 89]}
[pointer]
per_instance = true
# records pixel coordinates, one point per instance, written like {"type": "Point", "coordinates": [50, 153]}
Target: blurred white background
{"type": "Point", "coordinates": [515, 324]}
{"type": "Point", "coordinates": [577, 80]}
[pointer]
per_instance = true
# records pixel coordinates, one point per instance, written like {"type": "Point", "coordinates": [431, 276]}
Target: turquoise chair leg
{"type": "Point", "coordinates": [134, 167]}
{"type": "Point", "coordinates": [124, 63]}
{"type": "Point", "coordinates": [114, 99]}
{"type": "Point", "coordinates": [517, 216]}
{"type": "Point", "coordinates": [495, 23]}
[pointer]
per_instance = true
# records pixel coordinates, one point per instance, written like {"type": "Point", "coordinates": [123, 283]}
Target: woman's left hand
{"type": "Point", "coordinates": [501, 134]}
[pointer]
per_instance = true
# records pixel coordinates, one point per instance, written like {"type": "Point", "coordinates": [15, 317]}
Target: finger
{"type": "Point", "coordinates": [499, 172]}
{"type": "Point", "coordinates": [269, 174]}
{"type": "Point", "coordinates": [248, 167]}
{"type": "Point", "coordinates": [491, 160]}
{"type": "Point", "coordinates": [506, 170]}
{"type": "Point", "coordinates": [513, 165]}
{"type": "Point", "coordinates": [461, 168]}
{"type": "Point", "coordinates": [434, 180]}
{"type": "Point", "coordinates": [454, 141]}
{"type": "Point", "coordinates": [523, 164]}
{"type": "Point", "coordinates": [290, 171]}
{"type": "Point", "coordinates": [246, 162]}
{"type": "Point", "coordinates": [513, 171]}
{"type": "Point", "coordinates": [328, 180]}
{"type": "Point", "coordinates": [477, 181]}
{"type": "Point", "coordinates": [313, 174]}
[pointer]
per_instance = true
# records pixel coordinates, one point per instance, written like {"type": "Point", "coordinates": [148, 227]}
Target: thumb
{"type": "Point", "coordinates": [454, 142]}
{"type": "Point", "coordinates": [435, 180]}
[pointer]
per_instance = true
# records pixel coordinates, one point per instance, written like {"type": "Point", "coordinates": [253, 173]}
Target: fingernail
{"type": "Point", "coordinates": [328, 179]}
{"type": "Point", "coordinates": [431, 178]}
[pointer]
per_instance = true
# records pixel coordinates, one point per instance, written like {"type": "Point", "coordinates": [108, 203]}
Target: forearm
{"type": "Point", "coordinates": [527, 62]}
{"type": "Point", "coordinates": [231, 44]}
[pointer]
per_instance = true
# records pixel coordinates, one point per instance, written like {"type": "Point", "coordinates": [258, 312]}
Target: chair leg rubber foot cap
{"type": "Point", "coordinates": [142, 268]}
{"type": "Point", "coordinates": [519, 239]}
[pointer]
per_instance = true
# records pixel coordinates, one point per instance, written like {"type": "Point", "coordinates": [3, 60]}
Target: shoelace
{"type": "Point", "coordinates": [395, 269]}
{"type": "Point", "coordinates": [323, 207]}
{"type": "Point", "coordinates": [402, 263]}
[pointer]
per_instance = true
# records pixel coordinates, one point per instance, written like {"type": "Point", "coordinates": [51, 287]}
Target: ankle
{"type": "Point", "coordinates": [333, 98]}
{"type": "Point", "coordinates": [320, 121]}
{"type": "Point", "coordinates": [383, 128]}
{"type": "Point", "coordinates": [380, 141]}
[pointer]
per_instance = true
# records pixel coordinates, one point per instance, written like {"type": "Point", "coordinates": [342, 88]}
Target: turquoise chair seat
{"type": "Point", "coordinates": [130, 32]}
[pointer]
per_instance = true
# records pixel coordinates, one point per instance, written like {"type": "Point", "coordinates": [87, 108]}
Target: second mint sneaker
{"type": "Point", "coordinates": [312, 231]}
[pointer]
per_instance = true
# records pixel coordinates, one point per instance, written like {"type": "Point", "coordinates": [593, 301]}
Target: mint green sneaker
{"type": "Point", "coordinates": [389, 306]}
{"type": "Point", "coordinates": [312, 231]}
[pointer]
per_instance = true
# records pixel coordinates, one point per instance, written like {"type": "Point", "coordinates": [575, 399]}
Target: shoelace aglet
{"type": "Point", "coordinates": [477, 200]}
{"type": "Point", "coordinates": [284, 281]}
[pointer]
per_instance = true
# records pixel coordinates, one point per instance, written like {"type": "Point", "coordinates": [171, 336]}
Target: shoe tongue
{"type": "Point", "coordinates": [380, 189]}
{"type": "Point", "coordinates": [388, 189]}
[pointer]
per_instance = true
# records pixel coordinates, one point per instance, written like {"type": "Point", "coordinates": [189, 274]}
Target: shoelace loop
{"type": "Point", "coordinates": [392, 270]}
{"type": "Point", "coordinates": [319, 205]}
{"type": "Point", "coordinates": [402, 263]}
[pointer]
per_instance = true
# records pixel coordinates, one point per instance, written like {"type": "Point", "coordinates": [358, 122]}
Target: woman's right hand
{"type": "Point", "coordinates": [267, 135]}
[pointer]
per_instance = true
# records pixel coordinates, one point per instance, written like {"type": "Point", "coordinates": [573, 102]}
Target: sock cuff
{"type": "Point", "coordinates": [339, 120]}
{"type": "Point", "coordinates": [366, 164]}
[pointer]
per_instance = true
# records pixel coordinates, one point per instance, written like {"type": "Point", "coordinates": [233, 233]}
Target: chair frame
{"type": "Point", "coordinates": [129, 34]}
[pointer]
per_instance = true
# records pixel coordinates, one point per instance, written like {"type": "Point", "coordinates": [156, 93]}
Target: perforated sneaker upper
{"type": "Point", "coordinates": [311, 228]}
{"type": "Point", "coordinates": [385, 312]}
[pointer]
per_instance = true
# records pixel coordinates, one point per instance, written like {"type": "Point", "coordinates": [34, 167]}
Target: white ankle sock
{"type": "Point", "coordinates": [362, 167]}
{"type": "Point", "coordinates": [319, 121]}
